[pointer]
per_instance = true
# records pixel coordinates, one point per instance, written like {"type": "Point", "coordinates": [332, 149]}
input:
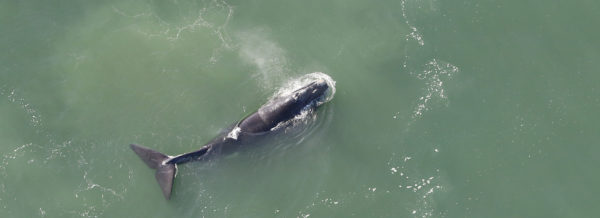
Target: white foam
{"type": "Point", "coordinates": [306, 115]}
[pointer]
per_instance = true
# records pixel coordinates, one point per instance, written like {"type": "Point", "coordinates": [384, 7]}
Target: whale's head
{"type": "Point", "coordinates": [314, 88]}
{"type": "Point", "coordinates": [312, 93]}
{"type": "Point", "coordinates": [308, 92]}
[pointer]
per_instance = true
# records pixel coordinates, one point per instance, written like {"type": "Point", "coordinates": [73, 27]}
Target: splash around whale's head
{"type": "Point", "coordinates": [304, 93]}
{"type": "Point", "coordinates": [296, 100]}
{"type": "Point", "coordinates": [314, 88]}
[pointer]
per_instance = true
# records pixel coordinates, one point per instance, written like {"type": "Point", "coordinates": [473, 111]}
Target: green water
{"type": "Point", "coordinates": [443, 108]}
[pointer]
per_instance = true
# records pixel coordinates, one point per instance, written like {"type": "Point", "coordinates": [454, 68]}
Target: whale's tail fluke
{"type": "Point", "coordinates": [165, 172]}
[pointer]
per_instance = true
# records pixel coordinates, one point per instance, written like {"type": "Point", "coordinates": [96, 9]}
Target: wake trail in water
{"type": "Point", "coordinates": [435, 74]}
{"type": "Point", "coordinates": [213, 16]}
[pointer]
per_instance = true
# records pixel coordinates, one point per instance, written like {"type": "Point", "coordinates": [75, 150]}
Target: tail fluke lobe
{"type": "Point", "coordinates": [164, 175]}
{"type": "Point", "coordinates": [165, 172]}
{"type": "Point", "coordinates": [151, 157]}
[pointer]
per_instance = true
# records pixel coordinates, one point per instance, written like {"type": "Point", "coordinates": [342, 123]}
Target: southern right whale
{"type": "Point", "coordinates": [314, 90]}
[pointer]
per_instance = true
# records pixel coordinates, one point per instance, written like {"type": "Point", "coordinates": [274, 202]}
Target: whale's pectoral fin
{"type": "Point", "coordinates": [165, 172]}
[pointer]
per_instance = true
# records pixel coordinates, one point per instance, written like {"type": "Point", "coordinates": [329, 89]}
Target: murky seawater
{"type": "Point", "coordinates": [442, 108]}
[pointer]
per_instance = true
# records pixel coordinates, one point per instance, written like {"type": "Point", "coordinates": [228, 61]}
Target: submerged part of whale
{"type": "Point", "coordinates": [292, 101]}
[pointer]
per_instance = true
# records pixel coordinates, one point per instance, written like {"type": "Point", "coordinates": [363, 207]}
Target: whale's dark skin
{"type": "Point", "coordinates": [278, 110]}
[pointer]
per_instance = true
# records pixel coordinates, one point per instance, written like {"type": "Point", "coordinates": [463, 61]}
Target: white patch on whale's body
{"type": "Point", "coordinates": [235, 132]}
